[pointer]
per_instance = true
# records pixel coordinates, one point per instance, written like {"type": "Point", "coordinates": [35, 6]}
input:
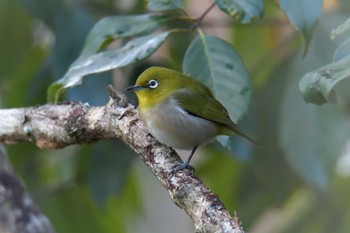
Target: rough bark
{"type": "Point", "coordinates": [18, 213]}
{"type": "Point", "coordinates": [57, 126]}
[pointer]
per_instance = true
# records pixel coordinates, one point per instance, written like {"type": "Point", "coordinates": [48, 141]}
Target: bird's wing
{"type": "Point", "coordinates": [203, 105]}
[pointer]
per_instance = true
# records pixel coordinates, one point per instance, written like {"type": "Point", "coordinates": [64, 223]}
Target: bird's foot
{"type": "Point", "coordinates": [184, 165]}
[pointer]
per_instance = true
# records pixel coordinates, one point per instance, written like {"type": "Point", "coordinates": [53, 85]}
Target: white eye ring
{"type": "Point", "coordinates": [153, 83]}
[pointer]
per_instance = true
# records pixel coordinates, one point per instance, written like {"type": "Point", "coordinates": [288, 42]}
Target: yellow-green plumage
{"type": "Point", "coordinates": [180, 111]}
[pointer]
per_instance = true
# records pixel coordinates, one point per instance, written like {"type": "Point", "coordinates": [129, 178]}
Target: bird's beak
{"type": "Point", "coordinates": [134, 88]}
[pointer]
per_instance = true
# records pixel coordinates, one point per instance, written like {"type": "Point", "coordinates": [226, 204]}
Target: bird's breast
{"type": "Point", "coordinates": [170, 124]}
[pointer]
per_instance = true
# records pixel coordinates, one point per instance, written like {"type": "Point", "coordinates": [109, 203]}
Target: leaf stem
{"type": "Point", "coordinates": [200, 19]}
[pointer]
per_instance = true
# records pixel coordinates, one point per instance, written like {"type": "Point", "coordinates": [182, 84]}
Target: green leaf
{"type": "Point", "coordinates": [132, 52]}
{"type": "Point", "coordinates": [312, 137]}
{"type": "Point", "coordinates": [340, 29]}
{"type": "Point", "coordinates": [163, 5]}
{"type": "Point", "coordinates": [304, 16]}
{"type": "Point", "coordinates": [109, 28]}
{"type": "Point", "coordinates": [342, 51]}
{"type": "Point", "coordinates": [215, 63]}
{"type": "Point", "coordinates": [344, 48]}
{"type": "Point", "coordinates": [242, 9]}
{"type": "Point", "coordinates": [330, 83]}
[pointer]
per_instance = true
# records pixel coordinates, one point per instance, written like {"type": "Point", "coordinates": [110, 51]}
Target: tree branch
{"type": "Point", "coordinates": [18, 213]}
{"type": "Point", "coordinates": [57, 126]}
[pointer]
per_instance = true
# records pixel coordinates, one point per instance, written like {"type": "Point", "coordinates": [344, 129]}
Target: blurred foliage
{"type": "Point", "coordinates": [244, 10]}
{"type": "Point", "coordinates": [304, 16]}
{"type": "Point", "coordinates": [297, 181]}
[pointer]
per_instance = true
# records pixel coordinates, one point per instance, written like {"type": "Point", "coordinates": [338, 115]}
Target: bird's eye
{"type": "Point", "coordinates": [152, 83]}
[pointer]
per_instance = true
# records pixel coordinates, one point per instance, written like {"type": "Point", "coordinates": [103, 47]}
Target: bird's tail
{"type": "Point", "coordinates": [234, 130]}
{"type": "Point", "coordinates": [251, 140]}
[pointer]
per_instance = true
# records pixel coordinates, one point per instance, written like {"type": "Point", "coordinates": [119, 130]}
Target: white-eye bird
{"type": "Point", "coordinates": [180, 111]}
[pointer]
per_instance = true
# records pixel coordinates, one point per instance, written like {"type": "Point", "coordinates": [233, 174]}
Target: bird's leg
{"type": "Point", "coordinates": [187, 163]}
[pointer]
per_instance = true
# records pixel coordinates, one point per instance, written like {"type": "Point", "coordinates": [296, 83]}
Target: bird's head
{"type": "Point", "coordinates": [155, 84]}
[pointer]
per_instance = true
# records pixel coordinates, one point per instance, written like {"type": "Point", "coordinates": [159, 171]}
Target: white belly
{"type": "Point", "coordinates": [173, 126]}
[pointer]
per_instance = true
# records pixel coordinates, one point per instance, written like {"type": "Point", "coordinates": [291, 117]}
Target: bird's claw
{"type": "Point", "coordinates": [182, 166]}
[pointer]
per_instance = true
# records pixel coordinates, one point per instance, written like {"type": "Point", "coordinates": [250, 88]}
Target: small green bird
{"type": "Point", "coordinates": [180, 111]}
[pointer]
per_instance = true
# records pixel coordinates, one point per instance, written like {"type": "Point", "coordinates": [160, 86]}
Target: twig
{"type": "Point", "coordinates": [199, 20]}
